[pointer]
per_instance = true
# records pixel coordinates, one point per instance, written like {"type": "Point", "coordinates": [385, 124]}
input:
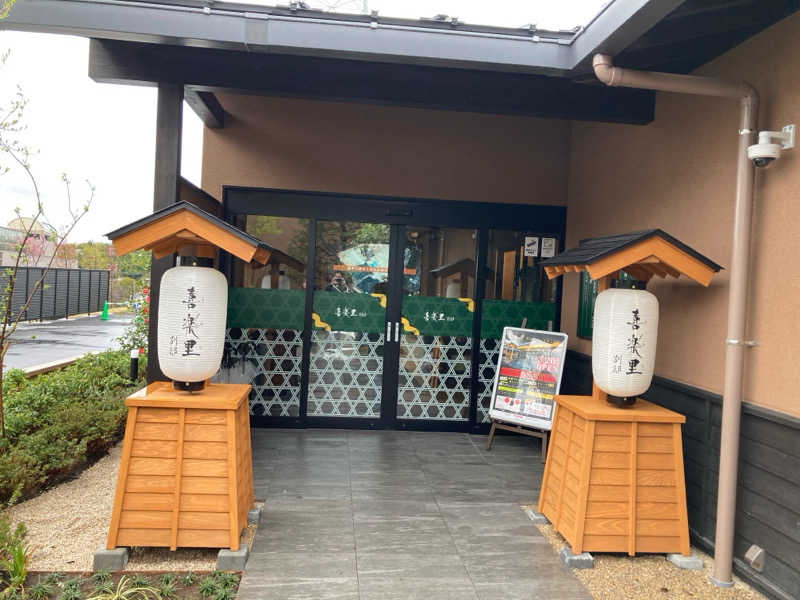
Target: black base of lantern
{"type": "Point", "coordinates": [188, 386]}
{"type": "Point", "coordinates": [621, 402]}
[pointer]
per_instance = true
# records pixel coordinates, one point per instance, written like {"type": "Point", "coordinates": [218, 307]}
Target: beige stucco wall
{"type": "Point", "coordinates": [356, 148]}
{"type": "Point", "coordinates": [678, 174]}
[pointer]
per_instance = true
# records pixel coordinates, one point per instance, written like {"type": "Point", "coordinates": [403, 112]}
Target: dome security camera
{"type": "Point", "coordinates": [769, 146]}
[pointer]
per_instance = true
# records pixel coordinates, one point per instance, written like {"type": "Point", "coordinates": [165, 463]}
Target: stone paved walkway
{"type": "Point", "coordinates": [399, 515]}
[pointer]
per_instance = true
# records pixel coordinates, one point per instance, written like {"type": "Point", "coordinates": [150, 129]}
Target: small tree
{"type": "Point", "coordinates": [18, 155]}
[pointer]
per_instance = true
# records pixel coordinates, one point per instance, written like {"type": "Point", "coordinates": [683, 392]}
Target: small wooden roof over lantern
{"type": "Point", "coordinates": [184, 228]}
{"type": "Point", "coordinates": [641, 254]}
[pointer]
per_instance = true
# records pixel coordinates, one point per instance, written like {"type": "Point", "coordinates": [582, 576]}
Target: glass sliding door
{"type": "Point", "coordinates": [435, 350]}
{"type": "Point", "coordinates": [263, 345]}
{"type": "Point", "coordinates": [351, 278]}
{"type": "Point", "coordinates": [516, 291]}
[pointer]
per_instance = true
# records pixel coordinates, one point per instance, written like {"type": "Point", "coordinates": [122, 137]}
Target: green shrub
{"type": "Point", "coordinates": [59, 421]}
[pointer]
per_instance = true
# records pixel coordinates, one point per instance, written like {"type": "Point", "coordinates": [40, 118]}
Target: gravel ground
{"type": "Point", "coordinates": [67, 523]}
{"type": "Point", "coordinates": [649, 576]}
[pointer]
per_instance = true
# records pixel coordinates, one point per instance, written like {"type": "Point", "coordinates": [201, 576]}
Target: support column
{"type": "Point", "coordinates": [169, 121]}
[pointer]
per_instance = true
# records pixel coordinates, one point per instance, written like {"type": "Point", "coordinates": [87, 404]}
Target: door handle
{"type": "Point", "coordinates": [388, 331]}
{"type": "Point", "coordinates": [397, 331]}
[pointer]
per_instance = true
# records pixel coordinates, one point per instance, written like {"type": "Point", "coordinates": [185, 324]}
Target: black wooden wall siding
{"type": "Point", "coordinates": [65, 292]}
{"type": "Point", "coordinates": [768, 501]}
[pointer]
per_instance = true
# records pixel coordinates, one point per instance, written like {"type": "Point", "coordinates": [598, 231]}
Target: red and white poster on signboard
{"type": "Point", "coordinates": [528, 377]}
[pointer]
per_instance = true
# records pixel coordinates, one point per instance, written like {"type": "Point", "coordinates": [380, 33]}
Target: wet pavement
{"type": "Point", "coordinates": [39, 343]}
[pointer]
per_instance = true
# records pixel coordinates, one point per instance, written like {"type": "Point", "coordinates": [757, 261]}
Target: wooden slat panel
{"type": "Point", "coordinates": [157, 415]}
{"type": "Point", "coordinates": [612, 428]}
{"type": "Point", "coordinates": [655, 430]}
{"type": "Point", "coordinates": [156, 431]}
{"type": "Point", "coordinates": [233, 491]}
{"type": "Point", "coordinates": [655, 461]}
{"type": "Point", "coordinates": [574, 466]}
{"type": "Point", "coordinates": [203, 520]}
{"type": "Point", "coordinates": [152, 466]}
{"type": "Point", "coordinates": [135, 501]}
{"type": "Point", "coordinates": [557, 522]}
{"type": "Point", "coordinates": [606, 493]}
{"type": "Point", "coordinates": [657, 494]}
{"type": "Point", "coordinates": [611, 460]}
{"type": "Point", "coordinates": [205, 468]}
{"type": "Point", "coordinates": [122, 476]}
{"type": "Point", "coordinates": [145, 519]}
{"type": "Point", "coordinates": [154, 449]}
{"type": "Point", "coordinates": [611, 443]}
{"type": "Point", "coordinates": [555, 482]}
{"type": "Point", "coordinates": [605, 543]}
{"type": "Point", "coordinates": [570, 498]}
{"type": "Point", "coordinates": [665, 544]}
{"type": "Point", "coordinates": [203, 538]}
{"type": "Point", "coordinates": [657, 510]}
{"type": "Point", "coordinates": [606, 527]}
{"type": "Point", "coordinates": [607, 510]}
{"type": "Point", "coordinates": [205, 417]}
{"type": "Point", "coordinates": [655, 444]}
{"type": "Point", "coordinates": [157, 484]}
{"type": "Point", "coordinates": [204, 502]}
{"type": "Point", "coordinates": [204, 485]}
{"type": "Point", "coordinates": [657, 527]}
{"type": "Point", "coordinates": [176, 499]}
{"type": "Point", "coordinates": [649, 477]}
{"type": "Point", "coordinates": [683, 522]}
{"type": "Point", "coordinates": [621, 477]}
{"type": "Point", "coordinates": [210, 450]}
{"type": "Point", "coordinates": [143, 537]}
{"type": "Point", "coordinates": [572, 483]}
{"type": "Point", "coordinates": [205, 433]}
{"type": "Point", "coordinates": [632, 516]}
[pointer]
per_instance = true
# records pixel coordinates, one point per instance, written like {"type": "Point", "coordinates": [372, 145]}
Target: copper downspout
{"type": "Point", "coordinates": [737, 290]}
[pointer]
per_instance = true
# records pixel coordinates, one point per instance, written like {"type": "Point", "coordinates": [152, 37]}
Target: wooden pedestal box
{"type": "Point", "coordinates": [185, 477]}
{"type": "Point", "coordinates": [613, 481]}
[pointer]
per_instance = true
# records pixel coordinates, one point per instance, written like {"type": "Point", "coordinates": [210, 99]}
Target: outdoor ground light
{"type": "Point", "coordinates": [192, 309]}
{"type": "Point", "coordinates": [624, 335]}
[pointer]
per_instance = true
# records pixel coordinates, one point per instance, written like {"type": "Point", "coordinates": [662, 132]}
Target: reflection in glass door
{"type": "Point", "coordinates": [436, 317]}
{"type": "Point", "coordinates": [517, 290]}
{"type": "Point", "coordinates": [346, 369]}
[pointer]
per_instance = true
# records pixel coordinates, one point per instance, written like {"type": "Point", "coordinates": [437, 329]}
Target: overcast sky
{"type": "Point", "coordinates": [106, 133]}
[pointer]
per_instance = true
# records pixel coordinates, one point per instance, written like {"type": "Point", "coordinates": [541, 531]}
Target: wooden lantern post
{"type": "Point", "coordinates": [185, 477]}
{"type": "Point", "coordinates": [613, 480]}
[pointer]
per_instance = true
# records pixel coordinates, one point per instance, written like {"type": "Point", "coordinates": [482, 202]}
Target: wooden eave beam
{"type": "Point", "coordinates": [181, 228]}
{"type": "Point", "coordinates": [206, 106]}
{"type": "Point", "coordinates": [667, 254]}
{"type": "Point", "coordinates": [555, 271]}
{"type": "Point", "coordinates": [639, 272]}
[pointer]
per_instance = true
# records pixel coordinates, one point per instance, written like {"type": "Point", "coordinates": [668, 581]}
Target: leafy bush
{"type": "Point", "coordinates": [59, 421]}
{"type": "Point", "coordinates": [135, 335]}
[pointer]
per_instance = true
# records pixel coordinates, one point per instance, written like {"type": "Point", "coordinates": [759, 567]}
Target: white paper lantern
{"type": "Point", "coordinates": [624, 336]}
{"type": "Point", "coordinates": [192, 309]}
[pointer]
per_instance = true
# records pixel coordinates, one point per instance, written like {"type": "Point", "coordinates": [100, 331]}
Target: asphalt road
{"type": "Point", "coordinates": [38, 343]}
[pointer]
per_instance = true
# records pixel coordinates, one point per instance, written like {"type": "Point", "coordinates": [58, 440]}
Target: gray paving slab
{"type": "Point", "coordinates": [388, 515]}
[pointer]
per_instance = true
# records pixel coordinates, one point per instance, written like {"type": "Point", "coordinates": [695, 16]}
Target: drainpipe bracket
{"type": "Point", "coordinates": [748, 343]}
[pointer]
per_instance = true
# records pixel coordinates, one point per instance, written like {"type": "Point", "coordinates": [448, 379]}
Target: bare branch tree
{"type": "Point", "coordinates": [19, 155]}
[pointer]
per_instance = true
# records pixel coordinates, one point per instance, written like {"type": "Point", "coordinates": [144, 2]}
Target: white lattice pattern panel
{"type": "Point", "coordinates": [488, 364]}
{"type": "Point", "coordinates": [269, 360]}
{"type": "Point", "coordinates": [346, 374]}
{"type": "Point", "coordinates": [434, 377]}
